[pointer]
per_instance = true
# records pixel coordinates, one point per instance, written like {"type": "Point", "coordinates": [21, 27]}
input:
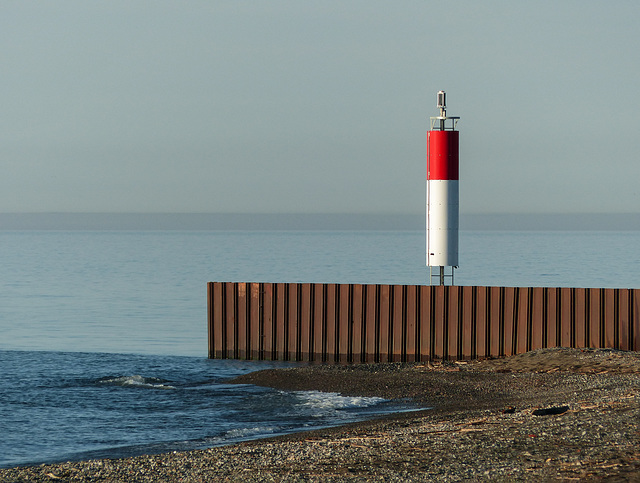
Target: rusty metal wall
{"type": "Point", "coordinates": [381, 323]}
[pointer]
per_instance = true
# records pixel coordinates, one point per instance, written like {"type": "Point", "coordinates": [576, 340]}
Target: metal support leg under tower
{"type": "Point", "coordinates": [440, 276]}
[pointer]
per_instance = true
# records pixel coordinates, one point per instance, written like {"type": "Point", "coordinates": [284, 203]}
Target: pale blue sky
{"type": "Point", "coordinates": [290, 106]}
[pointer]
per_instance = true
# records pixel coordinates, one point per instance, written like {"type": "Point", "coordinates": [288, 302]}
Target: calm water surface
{"type": "Point", "coordinates": [145, 292]}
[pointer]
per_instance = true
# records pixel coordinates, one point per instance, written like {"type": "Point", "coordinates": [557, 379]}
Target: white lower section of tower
{"type": "Point", "coordinates": [442, 223]}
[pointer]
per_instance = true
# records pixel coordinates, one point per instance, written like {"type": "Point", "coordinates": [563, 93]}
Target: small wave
{"type": "Point", "coordinates": [248, 433]}
{"type": "Point", "coordinates": [333, 400]}
{"type": "Point", "coordinates": [240, 434]}
{"type": "Point", "coordinates": [137, 381]}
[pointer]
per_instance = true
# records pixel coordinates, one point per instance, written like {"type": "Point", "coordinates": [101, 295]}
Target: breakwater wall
{"type": "Point", "coordinates": [355, 323]}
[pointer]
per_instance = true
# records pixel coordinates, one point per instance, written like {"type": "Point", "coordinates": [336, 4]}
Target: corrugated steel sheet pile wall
{"type": "Point", "coordinates": [381, 323]}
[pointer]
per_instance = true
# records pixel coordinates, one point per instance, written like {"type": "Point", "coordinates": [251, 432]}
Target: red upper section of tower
{"type": "Point", "coordinates": [442, 155]}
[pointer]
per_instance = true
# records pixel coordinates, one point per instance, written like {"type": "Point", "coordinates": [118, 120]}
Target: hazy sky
{"type": "Point", "coordinates": [294, 106]}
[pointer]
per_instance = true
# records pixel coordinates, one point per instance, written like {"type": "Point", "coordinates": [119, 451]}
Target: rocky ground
{"type": "Point", "coordinates": [551, 414]}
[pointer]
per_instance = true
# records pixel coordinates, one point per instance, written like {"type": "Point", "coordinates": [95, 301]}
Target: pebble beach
{"type": "Point", "coordinates": [546, 415]}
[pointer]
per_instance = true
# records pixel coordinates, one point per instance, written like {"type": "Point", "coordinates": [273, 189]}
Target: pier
{"type": "Point", "coordinates": [359, 323]}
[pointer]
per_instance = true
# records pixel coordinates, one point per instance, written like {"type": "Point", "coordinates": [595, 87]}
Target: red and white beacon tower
{"type": "Point", "coordinates": [442, 193]}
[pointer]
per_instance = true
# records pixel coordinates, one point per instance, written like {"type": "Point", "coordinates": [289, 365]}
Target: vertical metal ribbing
{"type": "Point", "coordinates": [293, 345]}
{"type": "Point", "coordinates": [396, 323]}
{"type": "Point", "coordinates": [537, 318]}
{"type": "Point", "coordinates": [218, 324]}
{"type": "Point", "coordinates": [424, 323]}
{"type": "Point", "coordinates": [254, 321]}
{"type": "Point", "coordinates": [624, 319]}
{"type": "Point", "coordinates": [305, 321]}
{"type": "Point", "coordinates": [611, 304]}
{"type": "Point", "coordinates": [384, 323]}
{"type": "Point", "coordinates": [299, 319]}
{"type": "Point", "coordinates": [357, 314]}
{"type": "Point", "coordinates": [528, 336]}
{"type": "Point", "coordinates": [560, 314]}
{"type": "Point", "coordinates": [439, 313]}
{"type": "Point", "coordinates": [522, 331]}
{"type": "Point", "coordinates": [325, 321]}
{"type": "Point", "coordinates": [311, 327]}
{"type": "Point", "coordinates": [234, 320]}
{"type": "Point", "coordinates": [572, 341]}
{"type": "Point", "coordinates": [323, 342]}
{"type": "Point", "coordinates": [331, 316]}
{"type": "Point", "coordinates": [545, 317]}
{"type": "Point", "coordinates": [450, 324]}
{"type": "Point", "coordinates": [516, 323]}
{"type": "Point", "coordinates": [460, 314]}
{"type": "Point", "coordinates": [343, 322]}
{"type": "Point", "coordinates": [592, 300]}
{"type": "Point", "coordinates": [376, 309]}
{"type": "Point", "coordinates": [632, 324]}
{"type": "Point", "coordinates": [411, 317]}
{"type": "Point", "coordinates": [481, 320]}
{"type": "Point", "coordinates": [581, 317]}
{"type": "Point", "coordinates": [594, 317]}
{"type": "Point", "coordinates": [269, 321]}
{"type": "Point", "coordinates": [223, 321]}
{"type": "Point", "coordinates": [241, 319]}
{"type": "Point", "coordinates": [405, 324]}
{"type": "Point", "coordinates": [279, 320]}
{"type": "Point", "coordinates": [565, 338]}
{"type": "Point", "coordinates": [618, 318]}
{"type": "Point", "coordinates": [468, 316]}
{"type": "Point", "coordinates": [215, 318]}
{"type": "Point", "coordinates": [231, 333]}
{"type": "Point", "coordinates": [602, 319]}
{"type": "Point", "coordinates": [508, 319]}
{"type": "Point", "coordinates": [210, 321]}
{"type": "Point", "coordinates": [260, 347]}
{"type": "Point", "coordinates": [497, 325]}
{"type": "Point", "coordinates": [488, 321]}
{"type": "Point", "coordinates": [435, 350]}
{"type": "Point", "coordinates": [357, 318]}
{"type": "Point", "coordinates": [455, 296]}
{"type": "Point", "coordinates": [552, 320]}
{"type": "Point", "coordinates": [446, 322]}
{"type": "Point", "coordinates": [388, 347]}
{"type": "Point", "coordinates": [634, 319]}
{"type": "Point", "coordinates": [286, 334]}
{"type": "Point", "coordinates": [363, 323]}
{"type": "Point", "coordinates": [602, 328]}
{"type": "Point", "coordinates": [453, 323]}
{"type": "Point", "coordinates": [370, 330]}
{"type": "Point", "coordinates": [349, 327]}
{"type": "Point", "coordinates": [496, 314]}
{"type": "Point", "coordinates": [322, 312]}
{"type": "Point", "coordinates": [317, 332]}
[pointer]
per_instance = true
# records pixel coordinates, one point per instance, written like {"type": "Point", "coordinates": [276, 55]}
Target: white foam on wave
{"type": "Point", "coordinates": [243, 433]}
{"type": "Point", "coordinates": [240, 434]}
{"type": "Point", "coordinates": [137, 381]}
{"type": "Point", "coordinates": [327, 401]}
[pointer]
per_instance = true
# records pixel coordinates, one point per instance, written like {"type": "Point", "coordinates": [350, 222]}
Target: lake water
{"type": "Point", "coordinates": [103, 334]}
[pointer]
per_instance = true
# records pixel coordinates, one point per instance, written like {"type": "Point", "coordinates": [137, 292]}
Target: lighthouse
{"type": "Point", "coordinates": [442, 194]}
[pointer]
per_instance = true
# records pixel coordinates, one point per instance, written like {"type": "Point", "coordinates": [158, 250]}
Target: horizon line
{"type": "Point", "coordinates": [311, 221]}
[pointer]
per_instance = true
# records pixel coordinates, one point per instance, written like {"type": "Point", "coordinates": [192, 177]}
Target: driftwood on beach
{"type": "Point", "coordinates": [552, 414]}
